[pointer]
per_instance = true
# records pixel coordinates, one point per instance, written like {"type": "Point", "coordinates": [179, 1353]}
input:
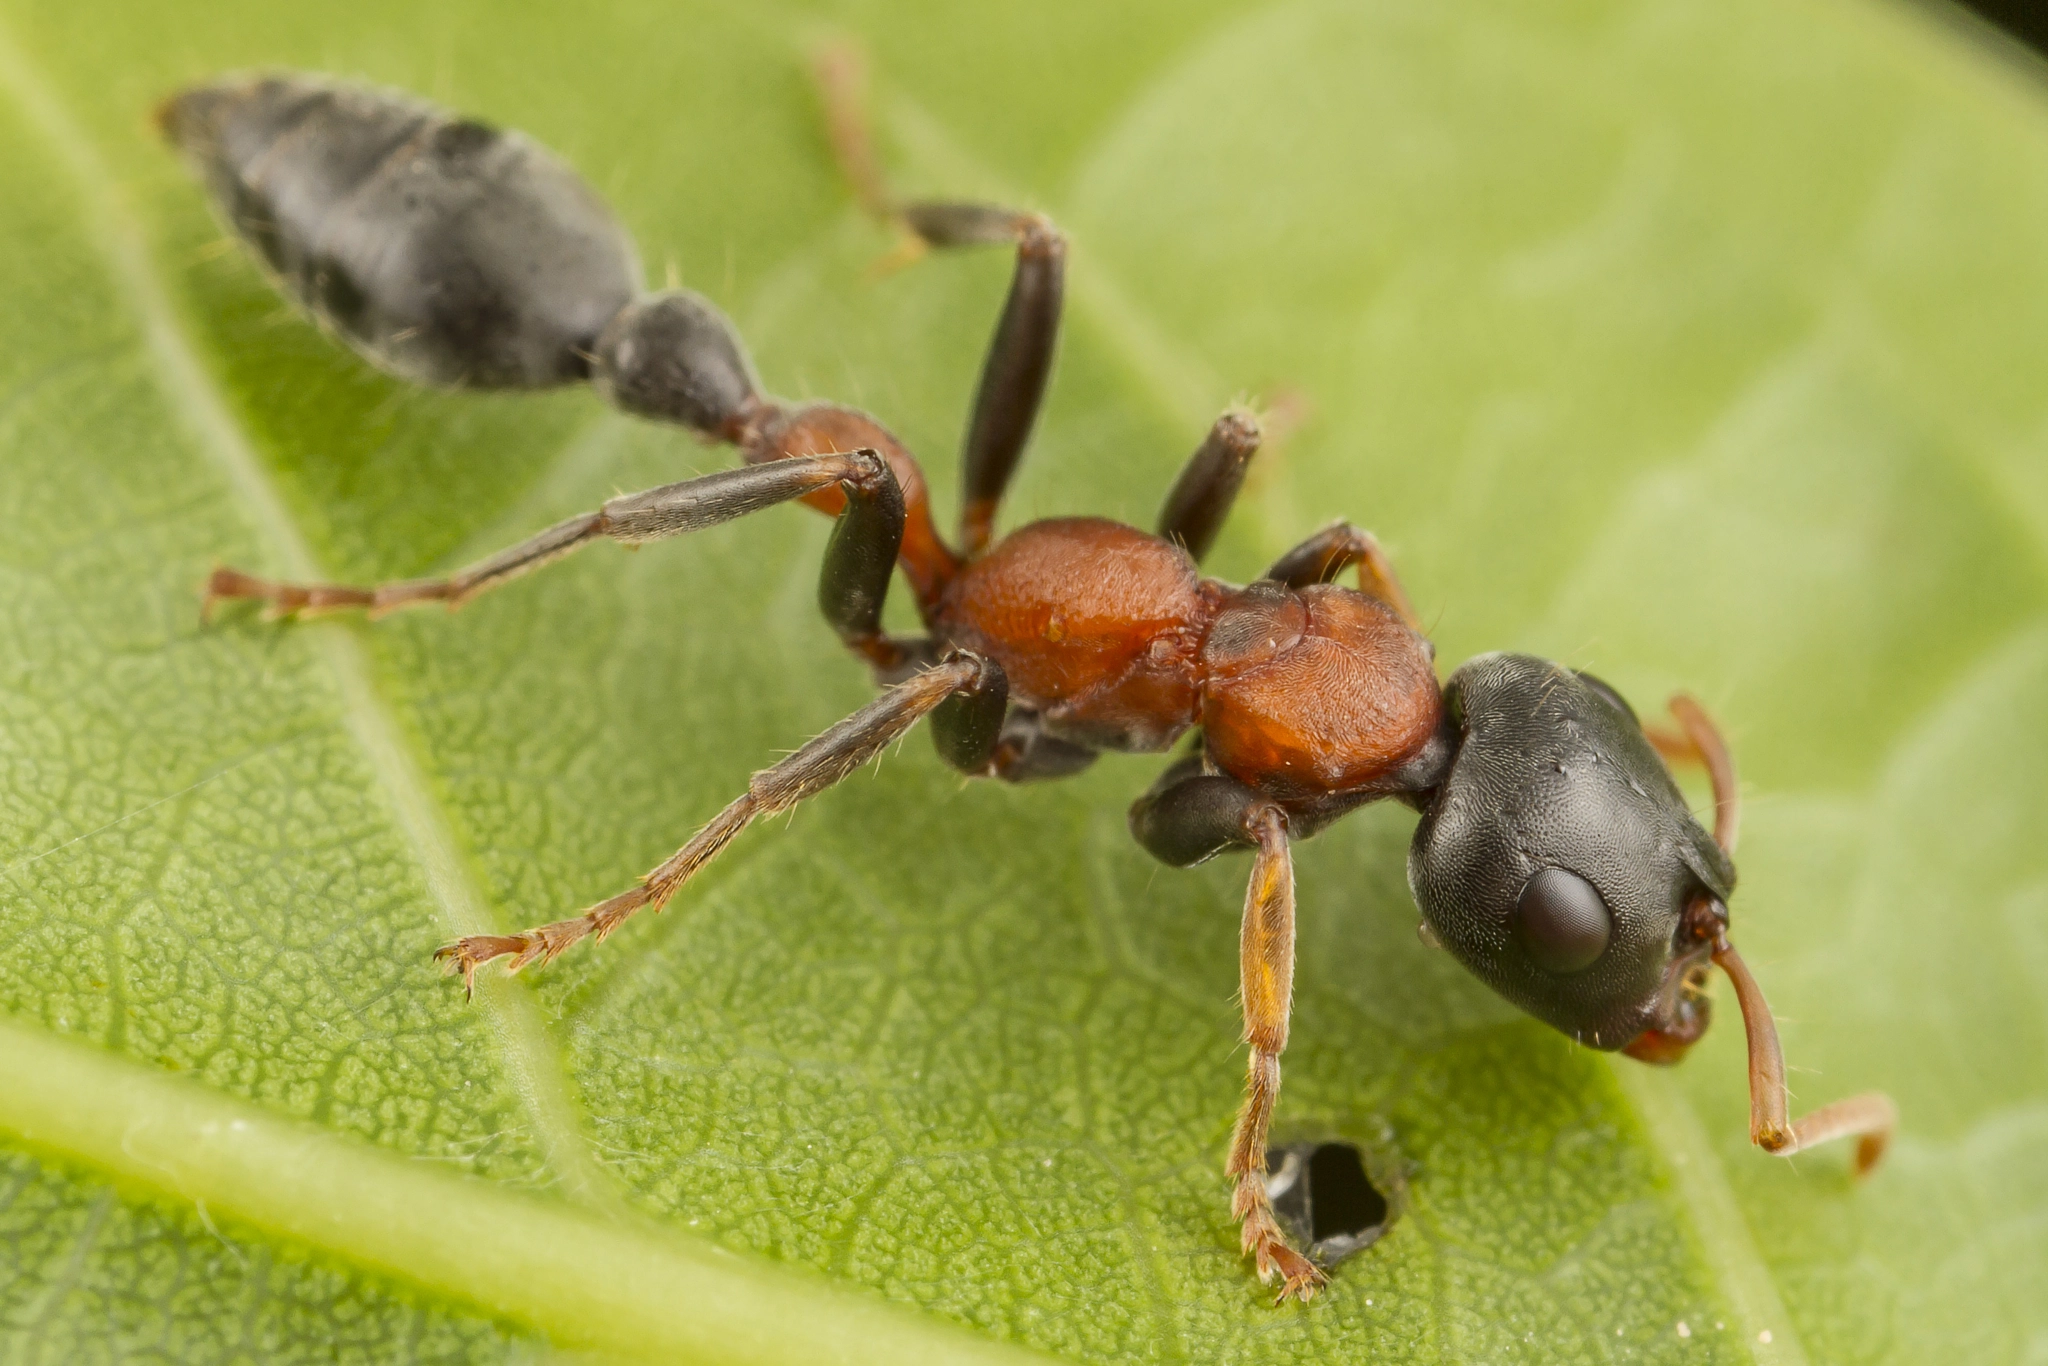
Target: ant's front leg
{"type": "Point", "coordinates": [1869, 1118]}
{"type": "Point", "coordinates": [1188, 817]}
{"type": "Point", "coordinates": [1019, 360]}
{"type": "Point", "coordinates": [1328, 553]}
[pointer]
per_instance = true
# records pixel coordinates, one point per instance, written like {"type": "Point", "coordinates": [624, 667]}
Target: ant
{"type": "Point", "coordinates": [1555, 858]}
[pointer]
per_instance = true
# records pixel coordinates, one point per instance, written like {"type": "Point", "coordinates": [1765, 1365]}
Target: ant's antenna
{"type": "Point", "coordinates": [1870, 1117]}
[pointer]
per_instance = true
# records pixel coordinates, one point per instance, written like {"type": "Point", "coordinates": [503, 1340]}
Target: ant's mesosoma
{"type": "Point", "coordinates": [1555, 858]}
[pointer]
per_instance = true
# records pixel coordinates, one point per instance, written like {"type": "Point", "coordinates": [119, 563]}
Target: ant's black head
{"type": "Point", "coordinates": [1558, 860]}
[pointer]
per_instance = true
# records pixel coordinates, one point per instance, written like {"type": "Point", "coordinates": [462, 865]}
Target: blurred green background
{"type": "Point", "coordinates": [1697, 344]}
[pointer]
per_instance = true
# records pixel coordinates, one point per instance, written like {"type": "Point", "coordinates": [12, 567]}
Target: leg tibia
{"type": "Point", "coordinates": [810, 770]}
{"type": "Point", "coordinates": [1189, 816]}
{"type": "Point", "coordinates": [670, 510]}
{"type": "Point", "coordinates": [1019, 358]}
{"type": "Point", "coordinates": [1266, 978]}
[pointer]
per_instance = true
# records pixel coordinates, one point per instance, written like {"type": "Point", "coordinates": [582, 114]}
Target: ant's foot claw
{"type": "Point", "coordinates": [1300, 1278]}
{"type": "Point", "coordinates": [542, 944]}
{"type": "Point", "coordinates": [232, 585]}
{"type": "Point", "coordinates": [466, 955]}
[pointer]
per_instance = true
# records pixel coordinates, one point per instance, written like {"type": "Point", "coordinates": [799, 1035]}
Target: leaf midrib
{"type": "Point", "coordinates": [614, 1282]}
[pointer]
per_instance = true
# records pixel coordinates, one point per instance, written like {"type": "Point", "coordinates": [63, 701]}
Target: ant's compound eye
{"type": "Point", "coordinates": [1560, 921]}
{"type": "Point", "coordinates": [1606, 690]}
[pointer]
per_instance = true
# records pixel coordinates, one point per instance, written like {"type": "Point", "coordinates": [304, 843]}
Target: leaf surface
{"type": "Point", "coordinates": [1695, 344]}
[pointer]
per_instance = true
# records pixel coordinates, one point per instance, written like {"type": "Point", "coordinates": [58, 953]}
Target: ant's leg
{"type": "Point", "coordinates": [1208, 483]}
{"type": "Point", "coordinates": [1325, 555]}
{"type": "Point", "coordinates": [1028, 753]}
{"type": "Point", "coordinates": [1266, 983]}
{"type": "Point", "coordinates": [1020, 354]}
{"type": "Point", "coordinates": [840, 72]}
{"type": "Point", "coordinates": [670, 510]}
{"type": "Point", "coordinates": [853, 581]}
{"type": "Point", "coordinates": [809, 771]}
{"type": "Point", "coordinates": [1869, 1118]}
{"type": "Point", "coordinates": [1190, 816]}
{"type": "Point", "coordinates": [982, 735]}
{"type": "Point", "coordinates": [968, 726]}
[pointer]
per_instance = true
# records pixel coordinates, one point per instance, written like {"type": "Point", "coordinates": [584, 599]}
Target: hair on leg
{"type": "Point", "coordinates": [633, 518]}
{"type": "Point", "coordinates": [1266, 970]}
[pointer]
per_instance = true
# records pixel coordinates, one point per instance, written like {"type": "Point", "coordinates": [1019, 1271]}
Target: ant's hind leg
{"type": "Point", "coordinates": [1188, 817]}
{"type": "Point", "coordinates": [810, 770]}
{"type": "Point", "coordinates": [1202, 496]}
{"type": "Point", "coordinates": [979, 733]}
{"type": "Point", "coordinates": [670, 510]}
{"type": "Point", "coordinates": [1019, 358]}
{"type": "Point", "coordinates": [1328, 553]}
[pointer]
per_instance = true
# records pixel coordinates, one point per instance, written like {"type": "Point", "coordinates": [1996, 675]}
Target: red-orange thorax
{"type": "Point", "coordinates": [1096, 623]}
{"type": "Point", "coordinates": [1115, 639]}
{"type": "Point", "coordinates": [1314, 690]}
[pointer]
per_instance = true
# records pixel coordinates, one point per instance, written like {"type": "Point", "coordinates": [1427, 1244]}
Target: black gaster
{"type": "Point", "coordinates": [444, 251]}
{"type": "Point", "coordinates": [1551, 773]}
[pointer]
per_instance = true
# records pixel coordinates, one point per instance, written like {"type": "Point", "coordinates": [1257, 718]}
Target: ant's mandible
{"type": "Point", "coordinates": [1556, 857]}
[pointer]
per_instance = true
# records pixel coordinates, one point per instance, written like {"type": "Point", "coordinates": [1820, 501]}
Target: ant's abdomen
{"type": "Point", "coordinates": [1096, 624]}
{"type": "Point", "coordinates": [444, 250]}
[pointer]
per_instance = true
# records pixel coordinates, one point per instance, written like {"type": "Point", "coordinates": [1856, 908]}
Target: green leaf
{"type": "Point", "coordinates": [1693, 343]}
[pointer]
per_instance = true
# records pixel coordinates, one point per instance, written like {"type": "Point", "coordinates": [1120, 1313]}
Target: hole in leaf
{"type": "Point", "coordinates": [1321, 1193]}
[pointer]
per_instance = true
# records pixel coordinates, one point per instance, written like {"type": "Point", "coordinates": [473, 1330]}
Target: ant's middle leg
{"type": "Point", "coordinates": [982, 735]}
{"type": "Point", "coordinates": [810, 770]}
{"type": "Point", "coordinates": [1325, 555]}
{"type": "Point", "coordinates": [1019, 359]}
